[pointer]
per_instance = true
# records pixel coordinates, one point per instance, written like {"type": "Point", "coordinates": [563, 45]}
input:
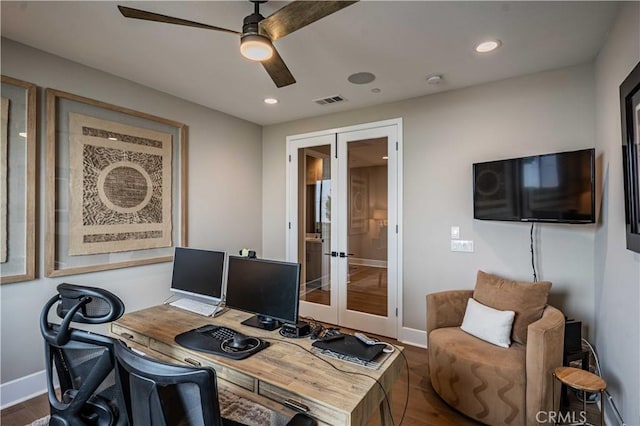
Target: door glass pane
{"type": "Point", "coordinates": [314, 229]}
{"type": "Point", "coordinates": [367, 226]}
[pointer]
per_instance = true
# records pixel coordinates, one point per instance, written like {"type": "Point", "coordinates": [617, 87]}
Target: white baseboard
{"type": "Point", "coordinates": [22, 389]}
{"type": "Point", "coordinates": [413, 337]}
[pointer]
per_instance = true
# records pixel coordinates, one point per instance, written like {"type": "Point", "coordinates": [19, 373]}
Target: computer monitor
{"type": "Point", "coordinates": [267, 288]}
{"type": "Point", "coordinates": [198, 273]}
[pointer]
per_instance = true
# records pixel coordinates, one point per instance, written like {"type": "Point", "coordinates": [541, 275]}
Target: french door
{"type": "Point", "coordinates": [343, 190]}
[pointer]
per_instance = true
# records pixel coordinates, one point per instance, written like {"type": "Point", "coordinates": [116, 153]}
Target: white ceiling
{"type": "Point", "coordinates": [401, 42]}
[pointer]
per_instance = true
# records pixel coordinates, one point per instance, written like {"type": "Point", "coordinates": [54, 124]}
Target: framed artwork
{"type": "Point", "coordinates": [17, 181]}
{"type": "Point", "coordinates": [630, 115]}
{"type": "Point", "coordinates": [116, 186]}
{"type": "Point", "coordinates": [358, 204]}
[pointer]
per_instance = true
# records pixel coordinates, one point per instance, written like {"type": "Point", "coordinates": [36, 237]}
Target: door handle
{"type": "Point", "coordinates": [343, 254]}
{"type": "Point", "coordinates": [332, 254]}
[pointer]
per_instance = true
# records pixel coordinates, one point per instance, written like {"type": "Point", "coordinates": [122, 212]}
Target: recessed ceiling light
{"type": "Point", "coordinates": [434, 79]}
{"type": "Point", "coordinates": [270, 101]}
{"type": "Point", "coordinates": [488, 46]}
{"type": "Point", "coordinates": [361, 78]}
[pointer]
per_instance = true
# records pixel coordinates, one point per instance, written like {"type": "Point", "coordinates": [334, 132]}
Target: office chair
{"type": "Point", "coordinates": [80, 361]}
{"type": "Point", "coordinates": [161, 394]}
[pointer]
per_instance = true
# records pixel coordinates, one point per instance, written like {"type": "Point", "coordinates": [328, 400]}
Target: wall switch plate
{"type": "Point", "coordinates": [462, 245]}
{"type": "Point", "coordinates": [455, 232]}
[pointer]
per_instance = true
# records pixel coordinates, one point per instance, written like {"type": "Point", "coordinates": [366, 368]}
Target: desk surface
{"type": "Point", "coordinates": [281, 371]}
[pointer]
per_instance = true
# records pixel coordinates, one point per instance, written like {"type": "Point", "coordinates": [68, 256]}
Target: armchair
{"type": "Point", "coordinates": [488, 383]}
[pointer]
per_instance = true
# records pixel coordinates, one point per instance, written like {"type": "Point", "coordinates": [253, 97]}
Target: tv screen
{"type": "Point", "coordinates": [198, 273]}
{"type": "Point", "coordinates": [267, 288]}
{"type": "Point", "coordinates": [557, 187]}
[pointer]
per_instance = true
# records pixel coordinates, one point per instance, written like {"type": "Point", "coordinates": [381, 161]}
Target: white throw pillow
{"type": "Point", "coordinates": [488, 324]}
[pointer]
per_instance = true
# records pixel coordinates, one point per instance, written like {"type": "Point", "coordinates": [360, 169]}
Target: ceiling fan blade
{"type": "Point", "coordinates": [298, 14]}
{"type": "Point", "coordinates": [129, 12]}
{"type": "Point", "coordinates": [278, 71]}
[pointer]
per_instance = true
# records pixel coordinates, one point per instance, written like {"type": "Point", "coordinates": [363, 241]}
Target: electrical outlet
{"type": "Point", "coordinates": [462, 245]}
{"type": "Point", "coordinates": [455, 232]}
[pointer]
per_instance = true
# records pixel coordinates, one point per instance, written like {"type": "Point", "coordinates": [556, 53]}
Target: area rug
{"type": "Point", "coordinates": [40, 422]}
{"type": "Point", "coordinates": [232, 407]}
{"type": "Point", "coordinates": [244, 411]}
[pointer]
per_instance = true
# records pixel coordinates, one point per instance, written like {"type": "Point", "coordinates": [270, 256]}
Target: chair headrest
{"type": "Point", "coordinates": [99, 305]}
{"type": "Point", "coordinates": [82, 304]}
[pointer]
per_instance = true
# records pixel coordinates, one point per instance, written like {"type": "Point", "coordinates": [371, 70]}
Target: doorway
{"type": "Point", "coordinates": [343, 203]}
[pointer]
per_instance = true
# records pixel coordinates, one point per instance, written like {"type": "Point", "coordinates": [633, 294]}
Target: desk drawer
{"type": "Point", "coordinates": [322, 413]}
{"type": "Point", "coordinates": [223, 372]}
{"type": "Point", "coordinates": [129, 335]}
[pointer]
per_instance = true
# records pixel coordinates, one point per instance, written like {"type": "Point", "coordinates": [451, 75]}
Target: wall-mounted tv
{"type": "Point", "coordinates": [630, 115]}
{"type": "Point", "coordinates": [558, 188]}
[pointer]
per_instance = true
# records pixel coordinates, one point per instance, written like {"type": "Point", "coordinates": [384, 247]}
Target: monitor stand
{"type": "Point", "coordinates": [262, 322]}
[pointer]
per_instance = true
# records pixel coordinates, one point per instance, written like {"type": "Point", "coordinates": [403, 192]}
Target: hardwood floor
{"type": "Point", "coordinates": [366, 290]}
{"type": "Point", "coordinates": [423, 407]}
{"type": "Point", "coordinates": [25, 412]}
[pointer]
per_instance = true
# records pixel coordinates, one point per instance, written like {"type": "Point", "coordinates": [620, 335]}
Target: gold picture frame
{"type": "Point", "coordinates": [116, 186]}
{"type": "Point", "coordinates": [18, 181]}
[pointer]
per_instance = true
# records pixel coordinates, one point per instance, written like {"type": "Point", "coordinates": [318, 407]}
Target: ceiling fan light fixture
{"type": "Point", "coordinates": [256, 47]}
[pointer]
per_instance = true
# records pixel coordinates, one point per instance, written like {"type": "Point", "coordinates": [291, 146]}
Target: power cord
{"type": "Point", "coordinates": [386, 396]}
{"type": "Point", "coordinates": [606, 392]}
{"type": "Point", "coordinates": [533, 263]}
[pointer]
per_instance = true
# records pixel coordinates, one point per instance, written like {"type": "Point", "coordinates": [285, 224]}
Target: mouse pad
{"type": "Point", "coordinates": [203, 340]}
{"type": "Point", "coordinates": [350, 345]}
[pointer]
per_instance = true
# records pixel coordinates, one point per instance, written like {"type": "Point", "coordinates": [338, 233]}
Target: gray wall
{"type": "Point", "coordinates": [617, 270]}
{"type": "Point", "coordinates": [224, 201]}
{"type": "Point", "coordinates": [443, 135]}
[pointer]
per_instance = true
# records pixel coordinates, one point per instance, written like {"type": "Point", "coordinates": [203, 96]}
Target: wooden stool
{"type": "Point", "coordinates": [584, 381]}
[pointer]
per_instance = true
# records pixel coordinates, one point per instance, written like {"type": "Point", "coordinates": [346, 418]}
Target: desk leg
{"type": "Point", "coordinates": [385, 411]}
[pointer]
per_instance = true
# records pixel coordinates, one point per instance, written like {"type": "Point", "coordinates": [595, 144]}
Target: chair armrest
{"type": "Point", "coordinates": [545, 343]}
{"type": "Point", "coordinates": [446, 308]}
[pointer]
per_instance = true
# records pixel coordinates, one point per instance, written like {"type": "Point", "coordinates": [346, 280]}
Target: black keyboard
{"type": "Point", "coordinates": [214, 339]}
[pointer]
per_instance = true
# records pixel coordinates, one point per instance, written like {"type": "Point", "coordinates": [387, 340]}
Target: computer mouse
{"type": "Point", "coordinates": [240, 341]}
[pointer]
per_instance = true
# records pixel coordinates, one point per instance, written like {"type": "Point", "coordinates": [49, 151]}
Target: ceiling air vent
{"type": "Point", "coordinates": [329, 100]}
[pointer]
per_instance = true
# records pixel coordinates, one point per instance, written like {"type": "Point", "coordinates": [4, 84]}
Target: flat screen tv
{"type": "Point", "coordinates": [267, 288]}
{"type": "Point", "coordinates": [630, 115]}
{"type": "Point", "coordinates": [198, 274]}
{"type": "Point", "coordinates": [558, 188]}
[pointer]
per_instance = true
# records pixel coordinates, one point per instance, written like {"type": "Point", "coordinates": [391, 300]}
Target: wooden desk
{"type": "Point", "coordinates": [281, 371]}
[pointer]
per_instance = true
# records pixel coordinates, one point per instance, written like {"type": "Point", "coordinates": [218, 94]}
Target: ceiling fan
{"type": "Point", "coordinates": [259, 33]}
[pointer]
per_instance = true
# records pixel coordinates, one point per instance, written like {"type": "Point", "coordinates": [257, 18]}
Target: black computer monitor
{"type": "Point", "coordinates": [267, 288]}
{"type": "Point", "coordinates": [198, 273]}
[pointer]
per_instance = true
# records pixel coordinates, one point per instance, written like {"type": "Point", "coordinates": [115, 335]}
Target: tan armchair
{"type": "Point", "coordinates": [491, 384]}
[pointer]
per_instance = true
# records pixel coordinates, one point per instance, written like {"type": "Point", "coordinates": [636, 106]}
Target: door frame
{"type": "Point", "coordinates": [291, 226]}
